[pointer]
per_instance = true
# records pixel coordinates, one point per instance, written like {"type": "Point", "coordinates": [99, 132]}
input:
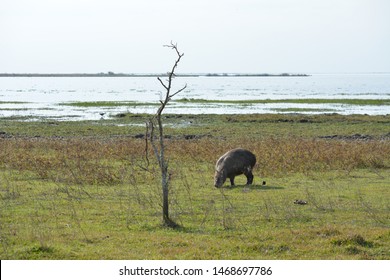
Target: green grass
{"type": "Point", "coordinates": [60, 221]}
{"type": "Point", "coordinates": [13, 102]}
{"type": "Point", "coordinates": [254, 126]}
{"type": "Point", "coordinates": [378, 102]}
{"type": "Point", "coordinates": [300, 110]}
{"type": "Point", "coordinates": [362, 102]}
{"type": "Point", "coordinates": [83, 190]}
{"type": "Point", "coordinates": [107, 103]}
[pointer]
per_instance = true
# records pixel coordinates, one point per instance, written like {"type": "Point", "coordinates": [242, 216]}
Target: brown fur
{"type": "Point", "coordinates": [233, 163]}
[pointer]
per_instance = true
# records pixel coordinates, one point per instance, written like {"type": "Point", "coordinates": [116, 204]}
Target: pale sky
{"type": "Point", "coordinates": [230, 36]}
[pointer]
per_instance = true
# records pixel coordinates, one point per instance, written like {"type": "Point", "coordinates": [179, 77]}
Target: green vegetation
{"type": "Point", "coordinates": [362, 102]}
{"type": "Point", "coordinates": [378, 102]}
{"type": "Point", "coordinates": [84, 190]}
{"type": "Point", "coordinates": [107, 103]}
{"type": "Point", "coordinates": [300, 110]}
{"type": "Point", "coordinates": [13, 102]}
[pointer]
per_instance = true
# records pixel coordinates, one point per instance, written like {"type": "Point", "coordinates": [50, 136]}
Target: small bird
{"type": "Point", "coordinates": [300, 202]}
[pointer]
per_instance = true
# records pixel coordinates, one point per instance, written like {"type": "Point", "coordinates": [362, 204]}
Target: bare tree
{"type": "Point", "coordinates": [157, 141]}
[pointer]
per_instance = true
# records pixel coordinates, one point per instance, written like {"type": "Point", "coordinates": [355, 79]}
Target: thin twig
{"type": "Point", "coordinates": [162, 83]}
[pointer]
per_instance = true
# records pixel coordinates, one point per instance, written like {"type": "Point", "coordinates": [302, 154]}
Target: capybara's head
{"type": "Point", "coordinates": [219, 178]}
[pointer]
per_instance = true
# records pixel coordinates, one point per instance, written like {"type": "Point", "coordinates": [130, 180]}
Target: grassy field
{"type": "Point", "coordinates": [84, 190]}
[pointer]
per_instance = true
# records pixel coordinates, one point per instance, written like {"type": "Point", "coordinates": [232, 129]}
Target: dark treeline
{"type": "Point", "coordinates": [112, 74]}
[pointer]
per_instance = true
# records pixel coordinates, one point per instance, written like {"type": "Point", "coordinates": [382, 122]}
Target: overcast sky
{"type": "Point", "coordinates": [247, 36]}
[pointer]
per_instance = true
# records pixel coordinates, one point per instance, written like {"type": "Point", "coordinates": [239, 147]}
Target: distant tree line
{"type": "Point", "coordinates": [112, 74]}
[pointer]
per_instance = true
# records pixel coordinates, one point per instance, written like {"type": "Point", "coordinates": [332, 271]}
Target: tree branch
{"type": "Point", "coordinates": [162, 83]}
{"type": "Point", "coordinates": [180, 90]}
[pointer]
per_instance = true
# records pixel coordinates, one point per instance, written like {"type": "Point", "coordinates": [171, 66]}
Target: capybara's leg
{"type": "Point", "coordinates": [232, 180]}
{"type": "Point", "coordinates": [249, 178]}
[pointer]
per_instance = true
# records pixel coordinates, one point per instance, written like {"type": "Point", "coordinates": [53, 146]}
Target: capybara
{"type": "Point", "coordinates": [233, 163]}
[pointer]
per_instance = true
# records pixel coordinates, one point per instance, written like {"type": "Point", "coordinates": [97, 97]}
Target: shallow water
{"type": "Point", "coordinates": [43, 97]}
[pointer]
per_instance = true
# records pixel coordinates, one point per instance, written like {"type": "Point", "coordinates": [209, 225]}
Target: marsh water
{"type": "Point", "coordinates": [56, 97]}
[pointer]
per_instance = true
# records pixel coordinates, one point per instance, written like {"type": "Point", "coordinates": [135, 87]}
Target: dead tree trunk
{"type": "Point", "coordinates": [157, 141]}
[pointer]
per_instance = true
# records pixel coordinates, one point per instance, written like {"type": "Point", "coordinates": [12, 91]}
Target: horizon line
{"type": "Point", "coordinates": [113, 74]}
